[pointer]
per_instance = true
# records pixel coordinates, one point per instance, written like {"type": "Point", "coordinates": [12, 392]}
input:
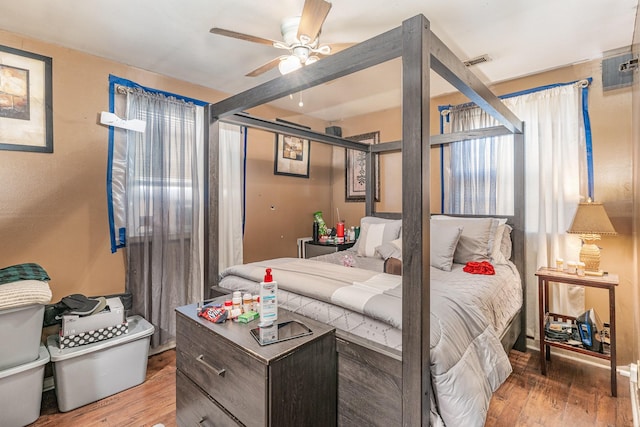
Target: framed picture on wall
{"type": "Point", "coordinates": [26, 113]}
{"type": "Point", "coordinates": [292, 156]}
{"type": "Point", "coordinates": [356, 170]}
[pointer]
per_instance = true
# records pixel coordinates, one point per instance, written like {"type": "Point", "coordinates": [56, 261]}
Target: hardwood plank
{"type": "Point", "coordinates": [150, 403]}
{"type": "Point", "coordinates": [520, 401]}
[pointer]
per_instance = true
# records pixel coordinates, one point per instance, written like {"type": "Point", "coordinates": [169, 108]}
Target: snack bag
{"type": "Point", "coordinates": [215, 314]}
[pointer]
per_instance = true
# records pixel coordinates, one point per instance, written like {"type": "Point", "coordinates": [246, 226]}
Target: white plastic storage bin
{"type": "Point", "coordinates": [92, 372]}
{"type": "Point", "coordinates": [20, 332]}
{"type": "Point", "coordinates": [21, 391]}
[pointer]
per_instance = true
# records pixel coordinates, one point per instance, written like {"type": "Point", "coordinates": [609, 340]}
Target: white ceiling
{"type": "Point", "coordinates": [172, 38]}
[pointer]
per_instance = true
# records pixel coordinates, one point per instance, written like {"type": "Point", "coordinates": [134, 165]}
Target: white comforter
{"type": "Point", "coordinates": [468, 362]}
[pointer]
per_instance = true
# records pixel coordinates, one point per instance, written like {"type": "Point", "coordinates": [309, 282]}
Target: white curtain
{"type": "Point", "coordinates": [163, 209]}
{"type": "Point", "coordinates": [479, 173]}
{"type": "Point", "coordinates": [555, 183]}
{"type": "Point", "coordinates": [555, 180]}
{"type": "Point", "coordinates": [231, 195]}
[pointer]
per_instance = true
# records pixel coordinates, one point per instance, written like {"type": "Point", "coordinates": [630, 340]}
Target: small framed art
{"type": "Point", "coordinates": [356, 170]}
{"type": "Point", "coordinates": [292, 156]}
{"type": "Point", "coordinates": [26, 113]}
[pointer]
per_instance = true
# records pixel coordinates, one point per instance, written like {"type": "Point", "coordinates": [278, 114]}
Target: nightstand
{"type": "Point", "coordinates": [312, 248]}
{"type": "Point", "coordinates": [225, 378]}
{"type": "Point", "coordinates": [608, 282]}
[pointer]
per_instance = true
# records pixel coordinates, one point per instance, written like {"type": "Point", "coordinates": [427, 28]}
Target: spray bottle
{"type": "Point", "coordinates": [268, 300]}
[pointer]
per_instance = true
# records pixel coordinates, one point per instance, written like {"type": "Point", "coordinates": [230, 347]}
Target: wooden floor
{"type": "Point", "coordinates": [570, 395]}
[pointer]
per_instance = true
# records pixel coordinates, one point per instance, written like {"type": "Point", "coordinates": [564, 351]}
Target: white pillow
{"type": "Point", "coordinates": [389, 250]}
{"type": "Point", "coordinates": [496, 232]}
{"type": "Point", "coordinates": [375, 232]}
{"type": "Point", "coordinates": [497, 257]}
{"type": "Point", "coordinates": [476, 239]}
{"type": "Point", "coordinates": [506, 243]}
{"type": "Point", "coordinates": [398, 242]}
{"type": "Point", "coordinates": [444, 241]}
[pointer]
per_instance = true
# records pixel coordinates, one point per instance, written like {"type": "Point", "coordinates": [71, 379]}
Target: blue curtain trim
{"type": "Point", "coordinates": [585, 117]}
{"type": "Point", "coordinates": [112, 228]}
{"type": "Point", "coordinates": [121, 241]}
{"type": "Point", "coordinates": [588, 138]}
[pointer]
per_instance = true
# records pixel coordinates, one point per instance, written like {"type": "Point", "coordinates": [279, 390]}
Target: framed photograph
{"type": "Point", "coordinates": [26, 113]}
{"type": "Point", "coordinates": [292, 156]}
{"type": "Point", "coordinates": [356, 169]}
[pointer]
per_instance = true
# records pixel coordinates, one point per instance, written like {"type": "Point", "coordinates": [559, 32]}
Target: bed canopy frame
{"type": "Point", "coordinates": [420, 51]}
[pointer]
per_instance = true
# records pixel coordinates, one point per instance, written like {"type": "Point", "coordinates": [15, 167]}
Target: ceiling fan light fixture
{"type": "Point", "coordinates": [289, 64]}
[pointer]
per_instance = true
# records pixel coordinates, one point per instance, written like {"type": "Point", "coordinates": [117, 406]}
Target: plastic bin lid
{"type": "Point", "coordinates": [138, 328]}
{"type": "Point", "coordinates": [43, 358]}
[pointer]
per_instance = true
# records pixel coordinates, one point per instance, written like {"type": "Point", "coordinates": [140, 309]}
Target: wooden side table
{"type": "Point", "coordinates": [609, 282]}
{"type": "Point", "coordinates": [225, 378]}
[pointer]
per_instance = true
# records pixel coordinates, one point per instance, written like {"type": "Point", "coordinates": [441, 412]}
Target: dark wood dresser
{"type": "Point", "coordinates": [225, 378]}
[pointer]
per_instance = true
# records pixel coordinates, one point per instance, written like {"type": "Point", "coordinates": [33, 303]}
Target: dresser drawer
{"type": "Point", "coordinates": [234, 379]}
{"type": "Point", "coordinates": [195, 408]}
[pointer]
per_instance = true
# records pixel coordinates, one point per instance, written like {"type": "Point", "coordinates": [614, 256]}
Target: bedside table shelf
{"type": "Point", "coordinates": [312, 248]}
{"type": "Point", "coordinates": [609, 282]}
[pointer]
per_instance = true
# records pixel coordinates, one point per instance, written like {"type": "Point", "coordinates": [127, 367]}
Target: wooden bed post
{"type": "Point", "coordinates": [519, 246]}
{"type": "Point", "coordinates": [416, 38]}
{"type": "Point", "coordinates": [421, 51]}
{"type": "Point", "coordinates": [212, 243]}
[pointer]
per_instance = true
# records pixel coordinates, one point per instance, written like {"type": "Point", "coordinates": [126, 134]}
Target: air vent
{"type": "Point", "coordinates": [477, 60]}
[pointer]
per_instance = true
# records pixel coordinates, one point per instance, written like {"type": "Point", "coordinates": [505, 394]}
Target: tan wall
{"type": "Point", "coordinates": [387, 122]}
{"type": "Point", "coordinates": [280, 208]}
{"type": "Point", "coordinates": [53, 208]}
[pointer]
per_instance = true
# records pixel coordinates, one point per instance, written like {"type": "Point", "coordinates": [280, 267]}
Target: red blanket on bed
{"type": "Point", "coordinates": [475, 267]}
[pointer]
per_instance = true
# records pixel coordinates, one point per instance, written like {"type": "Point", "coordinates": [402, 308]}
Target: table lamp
{"type": "Point", "coordinates": [591, 222]}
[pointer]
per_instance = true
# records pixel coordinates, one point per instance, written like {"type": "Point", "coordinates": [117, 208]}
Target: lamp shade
{"type": "Point", "coordinates": [591, 218]}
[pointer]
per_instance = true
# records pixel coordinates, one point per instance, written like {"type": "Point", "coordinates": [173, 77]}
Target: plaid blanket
{"type": "Point", "coordinates": [27, 271]}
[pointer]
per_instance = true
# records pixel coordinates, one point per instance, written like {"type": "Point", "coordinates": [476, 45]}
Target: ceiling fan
{"type": "Point", "coordinates": [300, 38]}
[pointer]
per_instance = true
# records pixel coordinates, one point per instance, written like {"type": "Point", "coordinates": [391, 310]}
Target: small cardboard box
{"type": "Point", "coordinates": [84, 338]}
{"type": "Point", "coordinates": [112, 315]}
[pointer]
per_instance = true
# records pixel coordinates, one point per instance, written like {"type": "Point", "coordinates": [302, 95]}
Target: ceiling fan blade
{"type": "Point", "coordinates": [241, 36]}
{"type": "Point", "coordinates": [265, 67]}
{"type": "Point", "coordinates": [314, 13]}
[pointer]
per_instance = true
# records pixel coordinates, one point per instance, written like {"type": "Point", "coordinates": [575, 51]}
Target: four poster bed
{"type": "Point", "coordinates": [386, 372]}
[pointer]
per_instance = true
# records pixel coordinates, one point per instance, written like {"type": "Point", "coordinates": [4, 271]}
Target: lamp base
{"type": "Point", "coordinates": [598, 273]}
{"type": "Point", "coordinates": [590, 255]}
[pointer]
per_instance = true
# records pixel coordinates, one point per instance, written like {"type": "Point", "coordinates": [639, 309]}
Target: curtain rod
{"type": "Point", "coordinates": [583, 83]}
{"type": "Point", "coordinates": [124, 90]}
